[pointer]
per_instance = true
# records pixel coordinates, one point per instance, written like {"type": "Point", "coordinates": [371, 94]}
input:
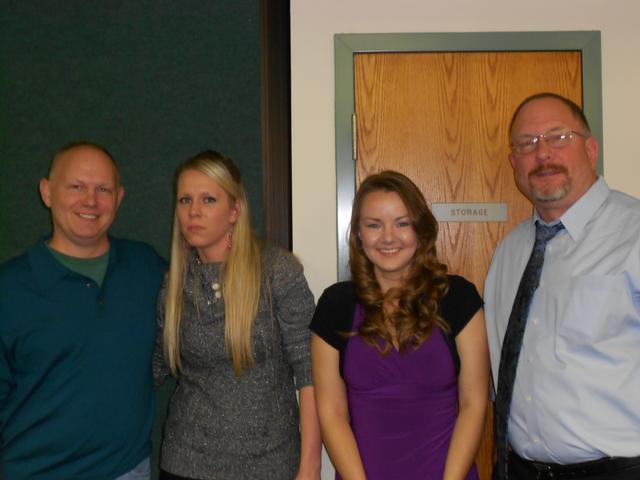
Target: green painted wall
{"type": "Point", "coordinates": [153, 81]}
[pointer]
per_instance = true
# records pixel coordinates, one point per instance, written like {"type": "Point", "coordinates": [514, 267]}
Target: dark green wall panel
{"type": "Point", "coordinates": [154, 82]}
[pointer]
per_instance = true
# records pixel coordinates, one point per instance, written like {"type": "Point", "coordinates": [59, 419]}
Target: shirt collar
{"type": "Point", "coordinates": [578, 215]}
{"type": "Point", "coordinates": [49, 271]}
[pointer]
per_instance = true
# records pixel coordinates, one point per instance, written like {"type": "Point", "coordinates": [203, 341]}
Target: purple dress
{"type": "Point", "coordinates": [403, 407]}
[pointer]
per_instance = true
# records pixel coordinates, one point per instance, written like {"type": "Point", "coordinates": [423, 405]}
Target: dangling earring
{"type": "Point", "coordinates": [230, 239]}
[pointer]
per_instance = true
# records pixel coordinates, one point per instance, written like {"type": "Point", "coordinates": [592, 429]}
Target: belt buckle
{"type": "Point", "coordinates": [543, 471]}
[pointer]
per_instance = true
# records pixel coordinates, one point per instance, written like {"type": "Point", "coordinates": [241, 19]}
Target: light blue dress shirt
{"type": "Point", "coordinates": [577, 390]}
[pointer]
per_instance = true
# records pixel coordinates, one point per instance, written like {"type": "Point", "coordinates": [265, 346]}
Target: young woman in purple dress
{"type": "Point", "coordinates": [399, 354]}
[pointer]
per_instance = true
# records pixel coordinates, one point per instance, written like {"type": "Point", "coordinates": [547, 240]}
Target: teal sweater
{"type": "Point", "coordinates": [76, 391]}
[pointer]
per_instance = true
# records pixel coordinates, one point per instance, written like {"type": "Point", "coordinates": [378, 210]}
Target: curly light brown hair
{"type": "Point", "coordinates": [404, 315]}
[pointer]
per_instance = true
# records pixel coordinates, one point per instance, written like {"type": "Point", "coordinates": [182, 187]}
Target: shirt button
{"type": "Point", "coordinates": [536, 439]}
{"type": "Point", "coordinates": [88, 284]}
{"type": "Point", "coordinates": [536, 321]}
{"type": "Point", "coordinates": [528, 398]}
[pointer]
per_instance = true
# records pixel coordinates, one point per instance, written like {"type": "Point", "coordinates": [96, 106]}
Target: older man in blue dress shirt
{"type": "Point", "coordinates": [575, 407]}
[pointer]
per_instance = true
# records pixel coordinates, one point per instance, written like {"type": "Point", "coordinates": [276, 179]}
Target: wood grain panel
{"type": "Point", "coordinates": [442, 119]}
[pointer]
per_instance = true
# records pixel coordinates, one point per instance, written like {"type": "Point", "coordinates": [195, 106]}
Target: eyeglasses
{"type": "Point", "coordinates": [556, 138]}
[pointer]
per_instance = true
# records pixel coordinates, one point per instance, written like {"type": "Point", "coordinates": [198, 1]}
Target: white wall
{"type": "Point", "coordinates": [313, 24]}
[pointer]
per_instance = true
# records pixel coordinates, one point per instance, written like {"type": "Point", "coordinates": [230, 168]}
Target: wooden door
{"type": "Point", "coordinates": [442, 120]}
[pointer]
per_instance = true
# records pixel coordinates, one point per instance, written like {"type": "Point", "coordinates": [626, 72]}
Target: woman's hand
{"type": "Point", "coordinates": [310, 441]}
{"type": "Point", "coordinates": [313, 474]}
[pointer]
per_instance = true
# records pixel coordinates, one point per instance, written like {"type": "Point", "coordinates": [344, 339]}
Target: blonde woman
{"type": "Point", "coordinates": [233, 319]}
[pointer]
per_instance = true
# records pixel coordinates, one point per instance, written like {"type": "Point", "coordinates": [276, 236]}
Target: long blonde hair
{"type": "Point", "coordinates": [241, 274]}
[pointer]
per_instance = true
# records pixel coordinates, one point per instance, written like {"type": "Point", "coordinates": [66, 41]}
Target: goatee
{"type": "Point", "coordinates": [550, 194]}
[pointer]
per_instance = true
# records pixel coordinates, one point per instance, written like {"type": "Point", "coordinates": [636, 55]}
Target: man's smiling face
{"type": "Point", "coordinates": [83, 193]}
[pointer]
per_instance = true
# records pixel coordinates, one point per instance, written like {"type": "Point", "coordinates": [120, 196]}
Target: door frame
{"type": "Point", "coordinates": [275, 124]}
{"type": "Point", "coordinates": [347, 45]}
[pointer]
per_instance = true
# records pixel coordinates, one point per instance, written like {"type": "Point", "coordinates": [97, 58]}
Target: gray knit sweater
{"type": "Point", "coordinates": [220, 426]}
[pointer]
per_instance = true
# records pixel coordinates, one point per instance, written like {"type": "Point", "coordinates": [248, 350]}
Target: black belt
{"type": "Point", "coordinates": [556, 471]}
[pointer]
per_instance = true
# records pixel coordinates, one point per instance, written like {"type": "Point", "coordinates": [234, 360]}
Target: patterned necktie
{"type": "Point", "coordinates": [512, 342]}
